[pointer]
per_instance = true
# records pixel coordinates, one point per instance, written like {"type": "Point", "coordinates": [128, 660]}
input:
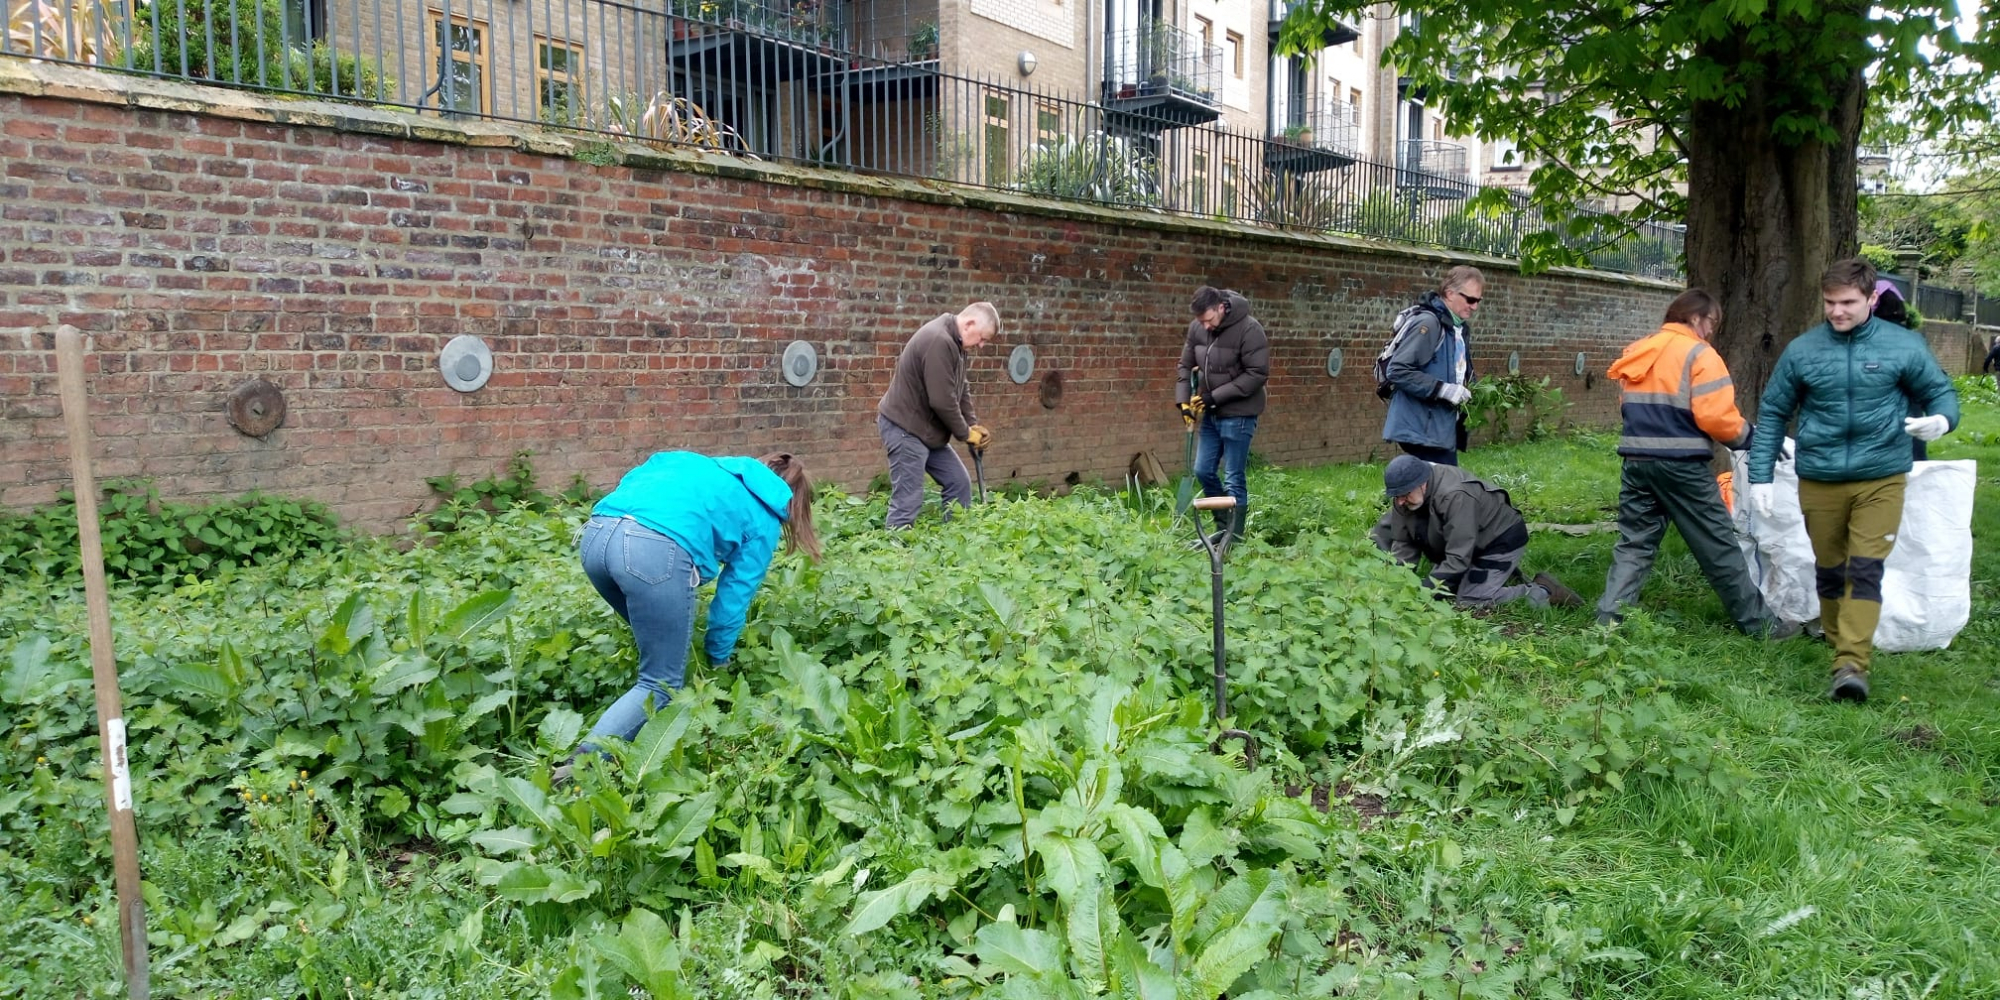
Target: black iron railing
{"type": "Point", "coordinates": [848, 84]}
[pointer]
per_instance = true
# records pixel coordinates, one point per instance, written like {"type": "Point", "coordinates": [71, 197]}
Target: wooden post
{"type": "Point", "coordinates": [104, 667]}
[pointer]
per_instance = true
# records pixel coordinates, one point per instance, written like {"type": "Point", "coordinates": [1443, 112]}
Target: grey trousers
{"type": "Point", "coordinates": [1651, 495]}
{"type": "Point", "coordinates": [1486, 582]}
{"type": "Point", "coordinates": [910, 459]}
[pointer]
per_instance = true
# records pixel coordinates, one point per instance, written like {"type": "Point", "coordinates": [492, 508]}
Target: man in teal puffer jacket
{"type": "Point", "coordinates": [1853, 382]}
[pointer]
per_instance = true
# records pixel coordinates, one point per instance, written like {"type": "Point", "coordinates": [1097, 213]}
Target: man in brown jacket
{"type": "Point", "coordinates": [928, 405]}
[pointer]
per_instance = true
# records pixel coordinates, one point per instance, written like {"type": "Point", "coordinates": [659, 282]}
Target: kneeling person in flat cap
{"type": "Point", "coordinates": [1469, 531]}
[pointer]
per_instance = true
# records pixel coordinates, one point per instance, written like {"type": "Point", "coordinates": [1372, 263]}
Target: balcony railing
{"type": "Point", "coordinates": [1336, 129]}
{"type": "Point", "coordinates": [1159, 60]}
{"type": "Point", "coordinates": [816, 23]}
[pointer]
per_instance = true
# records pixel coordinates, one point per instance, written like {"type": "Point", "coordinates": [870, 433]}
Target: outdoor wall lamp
{"type": "Point", "coordinates": [1027, 62]}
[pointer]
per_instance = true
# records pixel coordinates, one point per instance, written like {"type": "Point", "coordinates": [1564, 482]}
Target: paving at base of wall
{"type": "Point", "coordinates": [207, 237]}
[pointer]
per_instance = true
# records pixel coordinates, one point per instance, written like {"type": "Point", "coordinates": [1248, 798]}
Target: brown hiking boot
{"type": "Point", "coordinates": [1559, 595]}
{"type": "Point", "coordinates": [1850, 683]}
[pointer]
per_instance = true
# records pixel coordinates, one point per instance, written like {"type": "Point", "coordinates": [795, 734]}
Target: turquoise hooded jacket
{"type": "Point", "coordinates": [1850, 392]}
{"type": "Point", "coordinates": [726, 513]}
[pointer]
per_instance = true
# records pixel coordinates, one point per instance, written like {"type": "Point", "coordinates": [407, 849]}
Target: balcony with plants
{"type": "Point", "coordinates": [1157, 76]}
{"type": "Point", "coordinates": [815, 24]}
{"type": "Point", "coordinates": [1325, 139]}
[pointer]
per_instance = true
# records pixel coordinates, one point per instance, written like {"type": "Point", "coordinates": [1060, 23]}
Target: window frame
{"type": "Point", "coordinates": [437, 40]}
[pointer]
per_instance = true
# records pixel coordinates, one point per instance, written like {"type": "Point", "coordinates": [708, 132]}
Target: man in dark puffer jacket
{"type": "Point", "coordinates": [1853, 382]}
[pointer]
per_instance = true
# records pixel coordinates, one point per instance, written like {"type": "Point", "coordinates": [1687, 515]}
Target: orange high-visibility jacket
{"type": "Point", "coordinates": [1678, 397]}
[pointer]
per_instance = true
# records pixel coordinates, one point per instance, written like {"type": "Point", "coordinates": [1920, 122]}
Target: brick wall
{"type": "Point", "coordinates": [205, 239]}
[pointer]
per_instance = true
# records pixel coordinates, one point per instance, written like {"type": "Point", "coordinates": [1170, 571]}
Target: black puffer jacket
{"type": "Point", "coordinates": [1235, 361]}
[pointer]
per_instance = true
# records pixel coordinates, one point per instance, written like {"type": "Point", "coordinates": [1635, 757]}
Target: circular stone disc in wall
{"type": "Point", "coordinates": [256, 408]}
{"type": "Point", "coordinates": [801, 363]}
{"type": "Point", "coordinates": [466, 363]}
{"type": "Point", "coordinates": [1021, 364]}
{"type": "Point", "coordinates": [1581, 362]}
{"type": "Point", "coordinates": [1335, 360]}
{"type": "Point", "coordinates": [1514, 363]}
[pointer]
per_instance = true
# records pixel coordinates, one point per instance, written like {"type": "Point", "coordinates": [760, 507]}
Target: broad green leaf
{"type": "Point", "coordinates": [1143, 836]}
{"type": "Point", "coordinates": [1201, 840]}
{"type": "Point", "coordinates": [391, 802]}
{"type": "Point", "coordinates": [477, 612]}
{"type": "Point", "coordinates": [30, 671]}
{"type": "Point", "coordinates": [657, 740]}
{"type": "Point", "coordinates": [877, 908]}
{"type": "Point", "coordinates": [645, 950]}
{"type": "Point", "coordinates": [688, 821]}
{"type": "Point", "coordinates": [1072, 865]}
{"type": "Point", "coordinates": [202, 678]}
{"type": "Point", "coordinates": [513, 838]}
{"type": "Point", "coordinates": [997, 600]}
{"type": "Point", "coordinates": [1235, 930]}
{"type": "Point", "coordinates": [816, 689]}
{"type": "Point", "coordinates": [483, 704]}
{"type": "Point", "coordinates": [525, 883]}
{"type": "Point", "coordinates": [558, 730]}
{"type": "Point", "coordinates": [1092, 928]}
{"type": "Point", "coordinates": [352, 622]}
{"type": "Point", "coordinates": [1022, 952]}
{"type": "Point", "coordinates": [1141, 976]}
{"type": "Point", "coordinates": [405, 671]}
{"type": "Point", "coordinates": [531, 800]}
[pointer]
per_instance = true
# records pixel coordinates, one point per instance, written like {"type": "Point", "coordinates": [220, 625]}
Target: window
{"type": "Point", "coordinates": [1236, 54]}
{"type": "Point", "coordinates": [305, 20]}
{"type": "Point", "coordinates": [1506, 154]}
{"type": "Point", "coordinates": [1230, 172]}
{"type": "Point", "coordinates": [559, 81]}
{"type": "Point", "coordinates": [999, 109]}
{"type": "Point", "coordinates": [1048, 125]}
{"type": "Point", "coordinates": [459, 53]}
{"type": "Point", "coordinates": [1354, 98]}
{"type": "Point", "coordinates": [1206, 29]}
{"type": "Point", "coordinates": [1437, 130]}
{"type": "Point", "coordinates": [1199, 172]}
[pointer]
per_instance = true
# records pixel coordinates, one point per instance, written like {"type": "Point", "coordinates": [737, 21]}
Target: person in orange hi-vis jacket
{"type": "Point", "coordinates": [1678, 399]}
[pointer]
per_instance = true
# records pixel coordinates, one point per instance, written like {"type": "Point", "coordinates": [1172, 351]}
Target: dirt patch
{"type": "Point", "coordinates": [1367, 808]}
{"type": "Point", "coordinates": [1917, 737]}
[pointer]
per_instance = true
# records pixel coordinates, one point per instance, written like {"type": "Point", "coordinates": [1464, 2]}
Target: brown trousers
{"type": "Point", "coordinates": [1852, 526]}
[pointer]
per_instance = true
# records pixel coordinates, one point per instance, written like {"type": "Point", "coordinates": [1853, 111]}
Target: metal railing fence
{"type": "Point", "coordinates": [849, 84]}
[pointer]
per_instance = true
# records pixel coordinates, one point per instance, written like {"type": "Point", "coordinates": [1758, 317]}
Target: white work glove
{"type": "Point", "coordinates": [1926, 428]}
{"type": "Point", "coordinates": [1453, 393]}
{"type": "Point", "coordinates": [1764, 499]}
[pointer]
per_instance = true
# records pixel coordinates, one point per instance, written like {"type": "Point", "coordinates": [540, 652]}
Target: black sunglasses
{"type": "Point", "coordinates": [1471, 300]}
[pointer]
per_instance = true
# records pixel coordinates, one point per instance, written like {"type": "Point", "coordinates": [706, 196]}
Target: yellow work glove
{"type": "Point", "coordinates": [978, 437]}
{"type": "Point", "coordinates": [1190, 412]}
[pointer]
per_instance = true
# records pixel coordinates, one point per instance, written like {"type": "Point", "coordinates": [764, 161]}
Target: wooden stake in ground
{"type": "Point", "coordinates": [104, 667]}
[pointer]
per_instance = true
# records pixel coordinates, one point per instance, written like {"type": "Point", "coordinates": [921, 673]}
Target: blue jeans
{"type": "Point", "coordinates": [650, 581]}
{"type": "Point", "coordinates": [1226, 439]}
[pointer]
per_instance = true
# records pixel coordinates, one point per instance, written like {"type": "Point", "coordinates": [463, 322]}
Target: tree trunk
{"type": "Point", "coordinates": [1766, 215]}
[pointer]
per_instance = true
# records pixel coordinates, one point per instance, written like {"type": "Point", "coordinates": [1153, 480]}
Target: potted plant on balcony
{"type": "Point", "coordinates": [1297, 135]}
{"type": "Point", "coordinates": [924, 41]}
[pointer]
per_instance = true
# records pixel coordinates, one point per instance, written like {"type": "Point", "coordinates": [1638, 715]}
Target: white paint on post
{"type": "Point", "coordinates": [121, 769]}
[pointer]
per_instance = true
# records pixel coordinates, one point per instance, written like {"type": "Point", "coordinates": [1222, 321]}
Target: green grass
{"type": "Point", "coordinates": [1881, 819]}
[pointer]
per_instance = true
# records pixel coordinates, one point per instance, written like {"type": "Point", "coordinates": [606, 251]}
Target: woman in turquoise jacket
{"type": "Point", "coordinates": [674, 523]}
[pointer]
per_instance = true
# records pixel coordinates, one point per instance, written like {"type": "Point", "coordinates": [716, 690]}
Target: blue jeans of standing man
{"type": "Point", "coordinates": [650, 581]}
{"type": "Point", "coordinates": [1225, 441]}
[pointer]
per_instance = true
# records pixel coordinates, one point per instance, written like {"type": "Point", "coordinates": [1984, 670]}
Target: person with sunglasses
{"type": "Point", "coordinates": [1430, 373]}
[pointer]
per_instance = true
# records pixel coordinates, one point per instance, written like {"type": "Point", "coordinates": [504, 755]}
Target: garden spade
{"type": "Point", "coordinates": [1216, 551]}
{"type": "Point", "coordinates": [1186, 494]}
{"type": "Point", "coordinates": [979, 470]}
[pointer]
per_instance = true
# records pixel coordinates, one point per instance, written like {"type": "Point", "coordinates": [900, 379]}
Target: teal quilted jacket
{"type": "Point", "coordinates": [1850, 392]}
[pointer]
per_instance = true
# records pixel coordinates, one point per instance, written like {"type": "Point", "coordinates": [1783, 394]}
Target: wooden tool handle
{"type": "Point", "coordinates": [1215, 503]}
